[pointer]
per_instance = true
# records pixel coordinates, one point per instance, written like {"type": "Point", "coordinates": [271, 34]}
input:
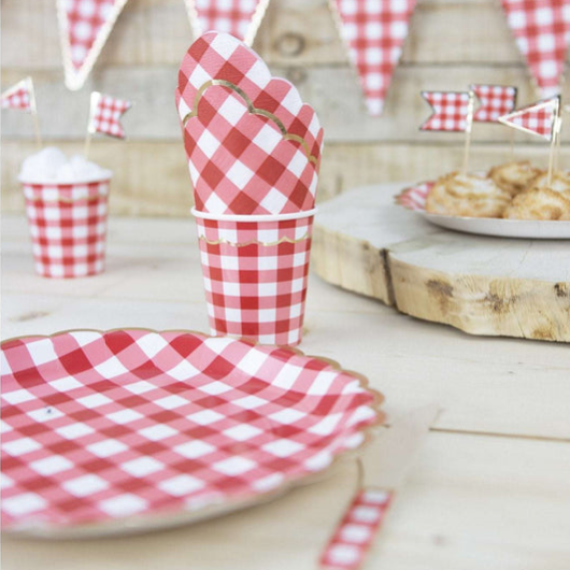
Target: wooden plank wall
{"type": "Point", "coordinates": [451, 43]}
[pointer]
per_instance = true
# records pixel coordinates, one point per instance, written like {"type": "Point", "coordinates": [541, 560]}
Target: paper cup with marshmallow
{"type": "Point", "coordinates": [67, 210]}
{"type": "Point", "coordinates": [254, 151]}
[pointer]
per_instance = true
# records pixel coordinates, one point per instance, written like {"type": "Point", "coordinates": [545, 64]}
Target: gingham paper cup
{"type": "Point", "coordinates": [68, 226]}
{"type": "Point", "coordinates": [255, 272]}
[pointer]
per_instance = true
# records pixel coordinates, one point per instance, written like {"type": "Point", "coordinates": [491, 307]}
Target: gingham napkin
{"type": "Point", "coordinates": [253, 146]}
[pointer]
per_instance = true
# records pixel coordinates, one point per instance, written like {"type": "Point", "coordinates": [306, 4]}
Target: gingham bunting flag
{"type": "Point", "coordinates": [253, 146]}
{"type": "Point", "coordinates": [375, 33]}
{"type": "Point", "coordinates": [240, 18]}
{"type": "Point", "coordinates": [84, 27]}
{"type": "Point", "coordinates": [106, 112]}
{"type": "Point", "coordinates": [450, 111]}
{"type": "Point", "coordinates": [538, 119]}
{"type": "Point", "coordinates": [20, 96]}
{"type": "Point", "coordinates": [542, 32]}
{"type": "Point", "coordinates": [494, 101]}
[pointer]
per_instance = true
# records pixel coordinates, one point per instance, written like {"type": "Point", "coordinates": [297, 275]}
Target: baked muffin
{"type": "Point", "coordinates": [539, 204]}
{"type": "Point", "coordinates": [468, 195]}
{"type": "Point", "coordinates": [560, 182]}
{"type": "Point", "coordinates": [514, 177]}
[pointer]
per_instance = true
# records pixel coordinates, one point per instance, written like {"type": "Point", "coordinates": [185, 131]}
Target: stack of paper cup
{"type": "Point", "coordinates": [253, 152]}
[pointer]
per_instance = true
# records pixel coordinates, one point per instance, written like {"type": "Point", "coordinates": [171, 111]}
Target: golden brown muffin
{"type": "Point", "coordinates": [469, 195]}
{"type": "Point", "coordinates": [539, 204]}
{"type": "Point", "coordinates": [514, 177]}
{"type": "Point", "coordinates": [560, 182]}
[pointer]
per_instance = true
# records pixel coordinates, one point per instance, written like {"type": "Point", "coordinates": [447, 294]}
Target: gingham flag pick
{"type": "Point", "coordinates": [20, 96]}
{"type": "Point", "coordinates": [450, 111]}
{"type": "Point", "coordinates": [540, 119]}
{"type": "Point", "coordinates": [375, 33]}
{"type": "Point", "coordinates": [542, 32]}
{"type": "Point", "coordinates": [84, 26]}
{"type": "Point", "coordinates": [105, 115]}
{"type": "Point", "coordinates": [240, 18]}
{"type": "Point", "coordinates": [494, 101]}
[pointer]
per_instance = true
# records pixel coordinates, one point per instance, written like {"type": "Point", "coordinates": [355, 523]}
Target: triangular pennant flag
{"type": "Point", "coordinates": [84, 26]}
{"type": "Point", "coordinates": [542, 32]}
{"type": "Point", "coordinates": [105, 115]}
{"type": "Point", "coordinates": [538, 119]}
{"type": "Point", "coordinates": [450, 111]}
{"type": "Point", "coordinates": [240, 18]}
{"type": "Point", "coordinates": [375, 33]}
{"type": "Point", "coordinates": [20, 96]}
{"type": "Point", "coordinates": [494, 101]}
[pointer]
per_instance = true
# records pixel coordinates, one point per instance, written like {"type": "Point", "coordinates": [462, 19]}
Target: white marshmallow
{"type": "Point", "coordinates": [51, 165]}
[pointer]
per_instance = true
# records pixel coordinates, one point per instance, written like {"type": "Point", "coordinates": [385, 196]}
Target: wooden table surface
{"type": "Point", "coordinates": [490, 489]}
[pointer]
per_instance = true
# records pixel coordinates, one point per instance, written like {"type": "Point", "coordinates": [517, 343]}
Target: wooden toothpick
{"type": "Point", "coordinates": [468, 128]}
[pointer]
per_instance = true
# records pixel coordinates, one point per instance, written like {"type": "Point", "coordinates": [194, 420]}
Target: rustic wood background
{"type": "Point", "coordinates": [451, 43]}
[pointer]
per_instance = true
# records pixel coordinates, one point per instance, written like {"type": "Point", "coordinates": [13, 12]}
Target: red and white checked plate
{"type": "Point", "coordinates": [134, 429]}
{"type": "Point", "coordinates": [414, 198]}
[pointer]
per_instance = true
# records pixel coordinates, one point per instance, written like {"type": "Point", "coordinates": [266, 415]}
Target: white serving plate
{"type": "Point", "coordinates": [414, 197]}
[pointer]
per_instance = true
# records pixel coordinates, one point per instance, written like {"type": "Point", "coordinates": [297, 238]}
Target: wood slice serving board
{"type": "Point", "coordinates": [365, 243]}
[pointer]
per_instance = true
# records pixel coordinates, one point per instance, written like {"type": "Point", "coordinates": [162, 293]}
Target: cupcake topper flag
{"type": "Point", "coordinates": [105, 117]}
{"type": "Point", "coordinates": [494, 101]}
{"type": "Point", "coordinates": [452, 112]}
{"type": "Point", "coordinates": [21, 96]}
{"type": "Point", "coordinates": [541, 119]}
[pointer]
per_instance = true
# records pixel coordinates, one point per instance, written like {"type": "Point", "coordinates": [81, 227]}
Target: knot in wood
{"type": "Point", "coordinates": [290, 44]}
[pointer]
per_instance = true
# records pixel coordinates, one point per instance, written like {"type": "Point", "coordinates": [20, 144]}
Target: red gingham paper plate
{"type": "Point", "coordinates": [414, 198]}
{"type": "Point", "coordinates": [131, 430]}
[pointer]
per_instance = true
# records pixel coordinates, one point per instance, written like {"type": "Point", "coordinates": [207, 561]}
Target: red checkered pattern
{"type": "Point", "coordinates": [231, 16]}
{"type": "Point", "coordinates": [106, 115]}
{"type": "Point", "coordinates": [542, 32]}
{"type": "Point", "coordinates": [536, 119]}
{"type": "Point", "coordinates": [68, 225]}
{"type": "Point", "coordinates": [101, 426]}
{"type": "Point", "coordinates": [255, 277]}
{"type": "Point", "coordinates": [494, 101]}
{"type": "Point", "coordinates": [355, 533]}
{"type": "Point", "coordinates": [240, 162]}
{"type": "Point", "coordinates": [18, 97]}
{"type": "Point", "coordinates": [375, 33]}
{"type": "Point", "coordinates": [414, 198]}
{"type": "Point", "coordinates": [450, 111]}
{"type": "Point", "coordinates": [86, 20]}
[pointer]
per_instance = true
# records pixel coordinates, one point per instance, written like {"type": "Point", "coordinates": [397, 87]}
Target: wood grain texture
{"type": "Point", "coordinates": [154, 279]}
{"type": "Point", "coordinates": [481, 285]}
{"type": "Point", "coordinates": [333, 91]}
{"type": "Point", "coordinates": [157, 32]}
{"type": "Point", "coordinates": [451, 43]}
{"type": "Point", "coordinates": [466, 505]}
{"type": "Point", "coordinates": [152, 177]}
{"type": "Point", "coordinates": [500, 449]}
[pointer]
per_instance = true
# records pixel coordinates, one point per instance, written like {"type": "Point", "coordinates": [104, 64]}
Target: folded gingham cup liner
{"type": "Point", "coordinates": [253, 146]}
{"type": "Point", "coordinates": [68, 225]}
{"type": "Point", "coordinates": [414, 198]}
{"type": "Point", "coordinates": [131, 430]}
{"type": "Point", "coordinates": [255, 271]}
